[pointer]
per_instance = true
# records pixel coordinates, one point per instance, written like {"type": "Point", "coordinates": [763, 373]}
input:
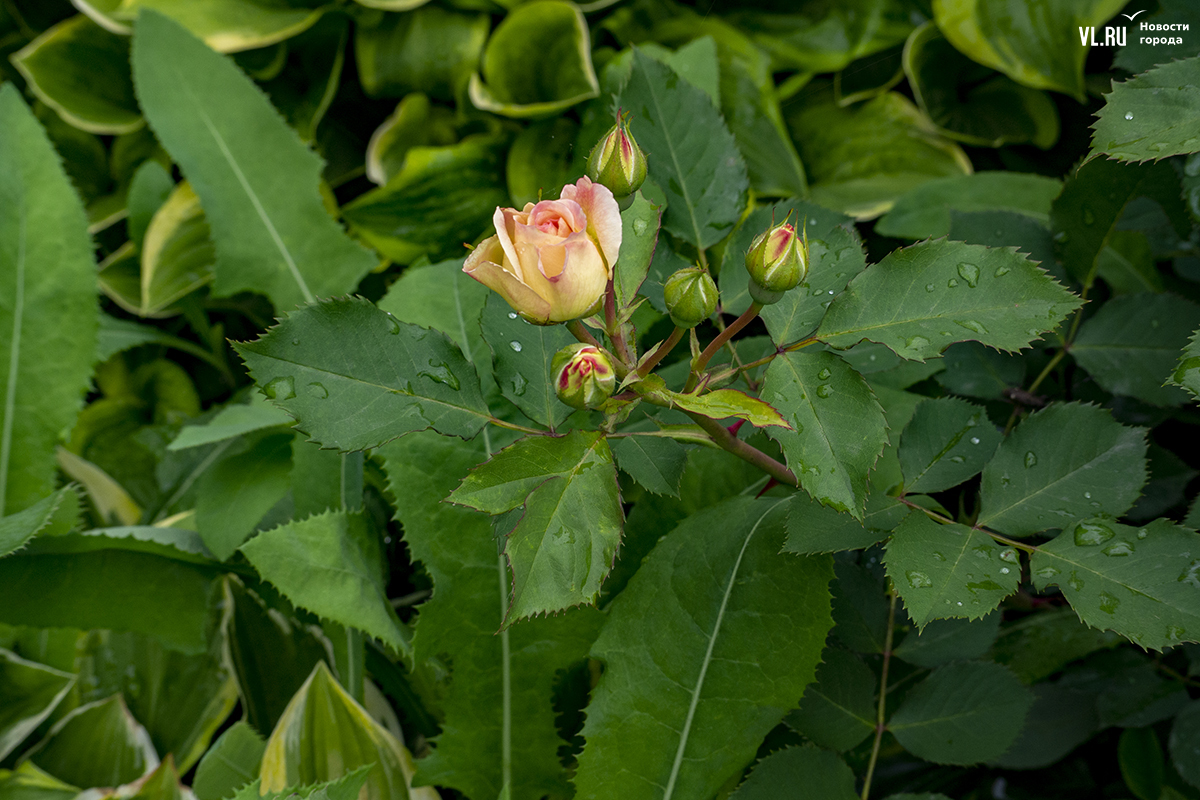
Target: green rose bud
{"type": "Point", "coordinates": [616, 161]}
{"type": "Point", "coordinates": [691, 296]}
{"type": "Point", "coordinates": [777, 261]}
{"type": "Point", "coordinates": [583, 376]}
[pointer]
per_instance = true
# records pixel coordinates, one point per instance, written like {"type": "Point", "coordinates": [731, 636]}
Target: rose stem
{"type": "Point", "coordinates": [719, 342]}
{"type": "Point", "coordinates": [665, 347]}
{"type": "Point", "coordinates": [727, 441]}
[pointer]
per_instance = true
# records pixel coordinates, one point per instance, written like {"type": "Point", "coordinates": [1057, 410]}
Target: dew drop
{"type": "Point", "coordinates": [1128, 115]}
{"type": "Point", "coordinates": [1118, 549]}
{"type": "Point", "coordinates": [639, 226]}
{"type": "Point", "coordinates": [956, 459]}
{"type": "Point", "coordinates": [950, 284]}
{"type": "Point", "coordinates": [281, 388]}
{"type": "Point", "coordinates": [1009, 555]}
{"type": "Point", "coordinates": [519, 384]}
{"type": "Point", "coordinates": [918, 580]}
{"type": "Point", "coordinates": [1090, 534]}
{"type": "Point", "coordinates": [916, 342]}
{"type": "Point", "coordinates": [1191, 575]}
{"type": "Point", "coordinates": [974, 440]}
{"type": "Point", "coordinates": [1074, 582]}
{"type": "Point", "coordinates": [1030, 459]}
{"type": "Point", "coordinates": [1108, 603]}
{"type": "Point", "coordinates": [1175, 633]}
{"type": "Point", "coordinates": [295, 342]}
{"type": "Point", "coordinates": [512, 315]}
{"type": "Point", "coordinates": [515, 345]}
{"type": "Point", "coordinates": [938, 556]}
{"type": "Point", "coordinates": [929, 287]}
{"type": "Point", "coordinates": [440, 373]}
{"type": "Point", "coordinates": [971, 325]}
{"type": "Point", "coordinates": [825, 373]}
{"type": "Point", "coordinates": [1047, 572]}
{"type": "Point", "coordinates": [1087, 495]}
{"type": "Point", "coordinates": [1004, 570]}
{"type": "Point", "coordinates": [824, 390]}
{"type": "Point", "coordinates": [1001, 272]}
{"type": "Point", "coordinates": [393, 325]}
{"type": "Point", "coordinates": [969, 273]}
{"type": "Point", "coordinates": [318, 391]}
{"type": "Point", "coordinates": [1142, 533]}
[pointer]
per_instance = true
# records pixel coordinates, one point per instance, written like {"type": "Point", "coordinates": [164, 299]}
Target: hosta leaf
{"type": "Point", "coordinates": [949, 570]}
{"type": "Point", "coordinates": [319, 563]}
{"type": "Point", "coordinates": [48, 276]}
{"type": "Point", "coordinates": [925, 211]}
{"type": "Point", "coordinates": [432, 50]}
{"type": "Point", "coordinates": [29, 693]}
{"type": "Point", "coordinates": [515, 85]}
{"type": "Point", "coordinates": [97, 744]}
{"type": "Point", "coordinates": [946, 442]}
{"type": "Point", "coordinates": [807, 770]}
{"type": "Point", "coordinates": [963, 713]}
{"type": "Point", "coordinates": [1150, 597]}
{"type": "Point", "coordinates": [325, 734]}
{"type": "Point", "coordinates": [232, 762]}
{"type": "Point", "coordinates": [920, 299]}
{"type": "Point", "coordinates": [1065, 462]}
{"type": "Point", "coordinates": [656, 462]}
{"type": "Point", "coordinates": [696, 159]}
{"type": "Point", "coordinates": [93, 93]}
{"type": "Point", "coordinates": [1132, 343]}
{"type": "Point", "coordinates": [838, 428]}
{"type": "Point", "coordinates": [564, 544]}
{"type": "Point", "coordinates": [256, 179]}
{"type": "Point", "coordinates": [398, 378]}
{"type": "Point", "coordinates": [237, 491]}
{"type": "Point", "coordinates": [522, 353]}
{"type": "Point", "coordinates": [17, 529]}
{"type": "Point", "coordinates": [727, 628]}
{"type": "Point", "coordinates": [1138, 123]}
{"type": "Point", "coordinates": [226, 26]}
{"type": "Point", "coordinates": [177, 254]}
{"type": "Point", "coordinates": [29, 781]}
{"type": "Point", "coordinates": [515, 668]}
{"type": "Point", "coordinates": [1187, 373]}
{"type": "Point", "coordinates": [838, 709]}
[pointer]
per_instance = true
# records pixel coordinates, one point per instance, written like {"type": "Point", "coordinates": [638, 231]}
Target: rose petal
{"type": "Point", "coordinates": [482, 266]}
{"type": "Point", "coordinates": [603, 215]}
{"type": "Point", "coordinates": [505, 221]}
{"type": "Point", "coordinates": [581, 282]}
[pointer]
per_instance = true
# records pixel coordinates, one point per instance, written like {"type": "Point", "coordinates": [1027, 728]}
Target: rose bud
{"type": "Point", "coordinates": [583, 375]}
{"type": "Point", "coordinates": [777, 261]}
{"type": "Point", "coordinates": [552, 260]}
{"type": "Point", "coordinates": [691, 296]}
{"type": "Point", "coordinates": [616, 161]}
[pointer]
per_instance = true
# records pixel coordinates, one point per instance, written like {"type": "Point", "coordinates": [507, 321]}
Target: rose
{"type": "Point", "coordinates": [552, 260]}
{"type": "Point", "coordinates": [583, 375]}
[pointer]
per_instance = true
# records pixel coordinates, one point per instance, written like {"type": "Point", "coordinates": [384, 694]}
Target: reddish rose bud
{"type": "Point", "coordinates": [616, 161]}
{"type": "Point", "coordinates": [583, 376]}
{"type": "Point", "coordinates": [777, 261]}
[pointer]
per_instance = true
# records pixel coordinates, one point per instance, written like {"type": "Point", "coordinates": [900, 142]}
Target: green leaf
{"type": "Point", "coordinates": [1009, 229]}
{"type": "Point", "coordinates": [1141, 760]}
{"type": "Point", "coordinates": [227, 26]}
{"type": "Point", "coordinates": [29, 693]}
{"type": "Point", "coordinates": [522, 354]}
{"type": "Point", "coordinates": [320, 564]}
{"type": "Point", "coordinates": [30, 783]}
{"type": "Point", "coordinates": [1139, 56]}
{"type": "Point", "coordinates": [47, 365]}
{"type": "Point", "coordinates": [717, 404]}
{"type": "Point", "coordinates": [1065, 462]}
{"type": "Point", "coordinates": [432, 50]}
{"type": "Point", "coordinates": [920, 299]}
{"type": "Point", "coordinates": [1150, 598]}
{"type": "Point", "coordinates": [655, 462]}
{"type": "Point", "coordinates": [515, 85]}
{"type": "Point", "coordinates": [325, 479]}
{"type": "Point", "coordinates": [1185, 738]}
{"type": "Point", "coordinates": [1037, 46]}
{"type": "Point", "coordinates": [798, 772]}
{"type": "Point", "coordinates": [1187, 373]}
{"type": "Point", "coordinates": [1136, 124]}
{"type": "Point", "coordinates": [1085, 215]}
{"type": "Point", "coordinates": [838, 709]}
{"type": "Point", "coordinates": [925, 211]}
{"type": "Point", "coordinates": [1127, 264]}
{"type": "Point", "coordinates": [1131, 345]}
{"type": "Point", "coordinates": [639, 237]}
{"type": "Point", "coordinates": [97, 744]}
{"type": "Point", "coordinates": [177, 255]}
{"type": "Point", "coordinates": [256, 179]}
{"type": "Point", "coordinates": [949, 570]}
{"type": "Point", "coordinates": [231, 422]}
{"type": "Point", "coordinates": [946, 640]}
{"type": "Point", "coordinates": [173, 543]}
{"type": "Point", "coordinates": [861, 159]}
{"type": "Point", "coordinates": [971, 103]}
{"type": "Point", "coordinates": [514, 668]}
{"type": "Point", "coordinates": [860, 609]}
{"type": "Point", "coordinates": [838, 428]}
{"type": "Point", "coordinates": [414, 123]}
{"type": "Point", "coordinates": [149, 188]}
{"type": "Point", "coordinates": [232, 762]}
{"type": "Point", "coordinates": [814, 528]}
{"type": "Point", "coordinates": [564, 544]}
{"type": "Point", "coordinates": [963, 713]}
{"type": "Point", "coordinates": [17, 529]}
{"type": "Point", "coordinates": [1061, 719]}
{"type": "Point", "coordinates": [727, 629]}
{"type": "Point", "coordinates": [94, 93]}
{"type": "Point", "coordinates": [977, 371]}
{"type": "Point", "coordinates": [311, 75]}
{"type": "Point", "coordinates": [539, 161]}
{"type": "Point", "coordinates": [237, 492]}
{"type": "Point", "coordinates": [323, 718]}
{"type": "Point", "coordinates": [946, 442]}
{"type": "Point", "coordinates": [400, 377]}
{"type": "Point", "coordinates": [693, 155]}
{"type": "Point", "coordinates": [1041, 644]}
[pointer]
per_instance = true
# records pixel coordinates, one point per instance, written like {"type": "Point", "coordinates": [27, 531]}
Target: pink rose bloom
{"type": "Point", "coordinates": [552, 260]}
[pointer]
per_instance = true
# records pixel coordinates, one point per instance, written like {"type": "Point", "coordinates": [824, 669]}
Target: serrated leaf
{"type": "Point", "coordinates": [808, 770]}
{"type": "Point", "coordinates": [1041, 644]}
{"type": "Point", "coordinates": [977, 371]}
{"type": "Point", "coordinates": [838, 709]}
{"type": "Point", "coordinates": [1060, 720]}
{"type": "Point", "coordinates": [257, 181]}
{"type": "Point", "coordinates": [48, 275]}
{"type": "Point", "coordinates": [398, 378]}
{"type": "Point", "coordinates": [565, 541]}
{"type": "Point", "coordinates": [236, 493]}
{"type": "Point", "coordinates": [639, 237]}
{"type": "Point", "coordinates": [946, 442]}
{"type": "Point", "coordinates": [517, 666]}
{"type": "Point", "coordinates": [1187, 373]}
{"type": "Point", "coordinates": [946, 640]}
{"type": "Point", "coordinates": [1084, 216]}
{"type": "Point", "coordinates": [1131, 345]}
{"type": "Point", "coordinates": [717, 404]}
{"type": "Point", "coordinates": [727, 629]}
{"type": "Point", "coordinates": [1065, 462]}
{"type": "Point", "coordinates": [1150, 597]}
{"type": "Point", "coordinates": [949, 570]}
{"type": "Point", "coordinates": [963, 713]}
{"type": "Point", "coordinates": [920, 299]}
{"type": "Point", "coordinates": [232, 762]}
{"type": "Point", "coordinates": [1185, 738]}
{"type": "Point", "coordinates": [31, 692]}
{"type": "Point", "coordinates": [694, 156]}
{"type": "Point", "coordinates": [1138, 124]}
{"type": "Point", "coordinates": [231, 422]}
{"type": "Point", "coordinates": [835, 260]}
{"type": "Point", "coordinates": [860, 608]}
{"type": "Point", "coordinates": [320, 564]}
{"type": "Point", "coordinates": [17, 529]}
{"type": "Point", "coordinates": [655, 462]}
{"type": "Point", "coordinates": [925, 212]}
{"type": "Point", "coordinates": [838, 428]}
{"type": "Point", "coordinates": [96, 744]}
{"type": "Point", "coordinates": [814, 528]}
{"type": "Point", "coordinates": [1009, 229]}
{"type": "Point", "coordinates": [522, 353]}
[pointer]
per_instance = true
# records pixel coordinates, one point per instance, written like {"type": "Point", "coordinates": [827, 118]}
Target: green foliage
{"type": "Point", "coordinates": [945, 442]}
{"type": "Point", "coordinates": [32, 691]}
{"type": "Point", "coordinates": [1137, 125]}
{"type": "Point", "coordinates": [781, 774]}
{"type": "Point", "coordinates": [925, 212]}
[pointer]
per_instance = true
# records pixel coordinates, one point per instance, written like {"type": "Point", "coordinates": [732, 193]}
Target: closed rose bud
{"type": "Point", "coordinates": [777, 261]}
{"type": "Point", "coordinates": [617, 162]}
{"type": "Point", "coordinates": [583, 376]}
{"type": "Point", "coordinates": [691, 296]}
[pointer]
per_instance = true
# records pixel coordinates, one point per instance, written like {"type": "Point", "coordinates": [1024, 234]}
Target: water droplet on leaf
{"type": "Point", "coordinates": [950, 284]}
{"type": "Point", "coordinates": [1108, 603]}
{"type": "Point", "coordinates": [515, 345]}
{"type": "Point", "coordinates": [1009, 555]}
{"type": "Point", "coordinates": [281, 388]}
{"type": "Point", "coordinates": [825, 373]}
{"type": "Point", "coordinates": [1001, 272]}
{"type": "Point", "coordinates": [918, 580]}
{"type": "Point", "coordinates": [1090, 534]}
{"type": "Point", "coordinates": [969, 273]}
{"type": "Point", "coordinates": [1030, 459]}
{"type": "Point", "coordinates": [824, 390]}
{"type": "Point", "coordinates": [318, 391]}
{"type": "Point", "coordinates": [1118, 549]}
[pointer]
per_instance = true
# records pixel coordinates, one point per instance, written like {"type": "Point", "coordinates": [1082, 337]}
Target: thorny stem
{"type": "Point", "coordinates": [664, 348]}
{"type": "Point", "coordinates": [719, 342]}
{"type": "Point", "coordinates": [727, 441]}
{"type": "Point", "coordinates": [881, 710]}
